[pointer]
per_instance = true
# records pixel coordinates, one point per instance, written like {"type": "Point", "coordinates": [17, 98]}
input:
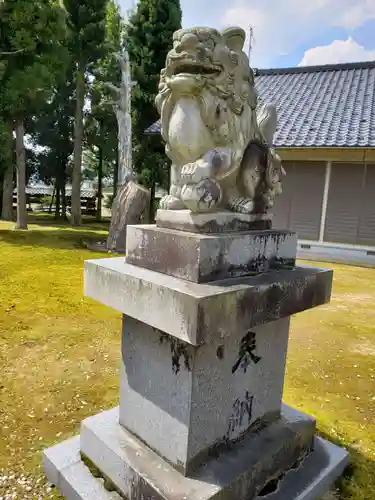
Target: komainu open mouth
{"type": "Point", "coordinates": [195, 69]}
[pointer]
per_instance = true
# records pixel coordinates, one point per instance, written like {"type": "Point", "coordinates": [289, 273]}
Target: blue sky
{"type": "Point", "coordinates": [291, 32]}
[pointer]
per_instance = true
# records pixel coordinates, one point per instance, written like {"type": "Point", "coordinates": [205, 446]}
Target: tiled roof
{"type": "Point", "coordinates": [320, 106]}
{"type": "Point", "coordinates": [48, 191]}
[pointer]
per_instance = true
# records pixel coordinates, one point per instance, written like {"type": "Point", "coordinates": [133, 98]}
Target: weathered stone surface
{"type": "Point", "coordinates": [202, 398]}
{"type": "Point", "coordinates": [220, 146]}
{"type": "Point", "coordinates": [64, 469]}
{"type": "Point", "coordinates": [316, 475]}
{"type": "Point", "coordinates": [212, 223]}
{"type": "Point", "coordinates": [129, 206]}
{"type": "Point", "coordinates": [198, 313]}
{"type": "Point", "coordinates": [241, 473]}
{"type": "Point", "coordinates": [309, 482]}
{"type": "Point", "coordinates": [60, 457]}
{"type": "Point", "coordinates": [203, 258]}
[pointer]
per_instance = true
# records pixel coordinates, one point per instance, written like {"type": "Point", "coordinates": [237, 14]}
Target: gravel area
{"type": "Point", "coordinates": [18, 486]}
{"type": "Point", "coordinates": [332, 495]}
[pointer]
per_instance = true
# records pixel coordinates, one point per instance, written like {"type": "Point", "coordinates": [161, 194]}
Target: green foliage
{"type": "Point", "coordinates": [107, 68]}
{"type": "Point", "coordinates": [8, 154]}
{"type": "Point", "coordinates": [93, 162]}
{"type": "Point", "coordinates": [6, 145]}
{"type": "Point", "coordinates": [86, 22]}
{"type": "Point", "coordinates": [53, 130]}
{"type": "Point", "coordinates": [101, 123]}
{"type": "Point", "coordinates": [148, 40]}
{"type": "Point", "coordinates": [35, 33]}
{"type": "Point", "coordinates": [32, 35]}
{"type": "Point", "coordinates": [108, 202]}
{"type": "Point", "coordinates": [46, 201]}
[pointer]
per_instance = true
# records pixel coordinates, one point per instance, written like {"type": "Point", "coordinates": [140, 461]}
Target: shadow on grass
{"type": "Point", "coordinates": [358, 479]}
{"type": "Point", "coordinates": [47, 219]}
{"type": "Point", "coordinates": [52, 238]}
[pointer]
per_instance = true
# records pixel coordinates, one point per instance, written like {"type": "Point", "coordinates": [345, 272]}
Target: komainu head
{"type": "Point", "coordinates": [204, 58]}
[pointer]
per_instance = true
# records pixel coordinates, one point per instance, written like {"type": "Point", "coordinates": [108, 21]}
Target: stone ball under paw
{"type": "Point", "coordinates": [205, 196]}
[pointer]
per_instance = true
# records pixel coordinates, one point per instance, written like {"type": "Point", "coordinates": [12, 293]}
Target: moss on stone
{"type": "Point", "coordinates": [107, 483]}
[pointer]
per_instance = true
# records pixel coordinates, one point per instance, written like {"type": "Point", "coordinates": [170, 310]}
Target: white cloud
{"type": "Point", "coordinates": [355, 15]}
{"type": "Point", "coordinates": [339, 51]}
{"type": "Point", "coordinates": [280, 25]}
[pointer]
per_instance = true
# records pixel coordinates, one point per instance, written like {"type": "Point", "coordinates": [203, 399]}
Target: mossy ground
{"type": "Point", "coordinates": [60, 352]}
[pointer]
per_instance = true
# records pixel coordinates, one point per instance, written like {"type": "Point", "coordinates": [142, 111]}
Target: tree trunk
{"type": "Point", "coordinates": [52, 198]}
{"type": "Point", "coordinates": [7, 208]}
{"type": "Point", "coordinates": [60, 208]}
{"type": "Point", "coordinates": [63, 200]}
{"type": "Point", "coordinates": [128, 207]}
{"type": "Point", "coordinates": [115, 176]}
{"type": "Point", "coordinates": [152, 203]}
{"type": "Point", "coordinates": [21, 176]}
{"type": "Point", "coordinates": [58, 202]}
{"type": "Point", "coordinates": [63, 190]}
{"type": "Point", "coordinates": [76, 216]}
{"type": "Point", "coordinates": [100, 185]}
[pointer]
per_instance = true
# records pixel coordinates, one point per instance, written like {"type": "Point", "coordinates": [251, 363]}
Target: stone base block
{"type": "Point", "coordinates": [197, 313]}
{"type": "Point", "coordinates": [309, 482]}
{"type": "Point", "coordinates": [239, 472]}
{"type": "Point", "coordinates": [207, 257]}
{"type": "Point", "coordinates": [137, 473]}
{"type": "Point", "coordinates": [66, 471]}
{"type": "Point", "coordinates": [215, 222]}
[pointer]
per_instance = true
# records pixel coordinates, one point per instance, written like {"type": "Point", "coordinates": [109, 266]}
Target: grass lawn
{"type": "Point", "coordinates": [60, 352]}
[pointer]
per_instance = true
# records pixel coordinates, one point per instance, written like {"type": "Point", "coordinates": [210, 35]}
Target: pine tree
{"type": "Point", "coordinates": [52, 129]}
{"type": "Point", "coordinates": [87, 23]}
{"type": "Point", "coordinates": [6, 139]}
{"type": "Point", "coordinates": [101, 123]}
{"type": "Point", "coordinates": [33, 32]}
{"type": "Point", "coordinates": [6, 169]}
{"type": "Point", "coordinates": [148, 40]}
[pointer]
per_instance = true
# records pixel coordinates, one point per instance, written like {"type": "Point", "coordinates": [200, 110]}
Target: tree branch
{"type": "Point", "coordinates": [15, 52]}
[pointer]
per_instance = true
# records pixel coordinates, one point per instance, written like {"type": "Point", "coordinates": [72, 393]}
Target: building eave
{"type": "Point", "coordinates": [333, 154]}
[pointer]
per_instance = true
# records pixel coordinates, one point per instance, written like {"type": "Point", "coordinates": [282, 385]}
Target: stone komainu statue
{"type": "Point", "coordinates": [217, 137]}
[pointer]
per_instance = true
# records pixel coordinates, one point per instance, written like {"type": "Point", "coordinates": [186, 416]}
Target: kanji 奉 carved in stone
{"type": "Point", "coordinates": [218, 137]}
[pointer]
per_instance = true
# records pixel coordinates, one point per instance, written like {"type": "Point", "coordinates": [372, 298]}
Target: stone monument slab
{"type": "Point", "coordinates": [208, 257]}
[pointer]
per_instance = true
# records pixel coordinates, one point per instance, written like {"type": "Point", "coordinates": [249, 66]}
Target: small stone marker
{"type": "Point", "coordinates": [206, 298]}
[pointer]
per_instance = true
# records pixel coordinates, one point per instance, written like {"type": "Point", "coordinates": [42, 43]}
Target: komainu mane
{"type": "Point", "coordinates": [219, 145]}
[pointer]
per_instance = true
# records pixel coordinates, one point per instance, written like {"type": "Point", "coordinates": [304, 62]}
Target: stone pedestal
{"type": "Point", "coordinates": [203, 258]}
{"type": "Point", "coordinates": [208, 223]}
{"type": "Point", "coordinates": [201, 397]}
{"type": "Point", "coordinates": [205, 333]}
